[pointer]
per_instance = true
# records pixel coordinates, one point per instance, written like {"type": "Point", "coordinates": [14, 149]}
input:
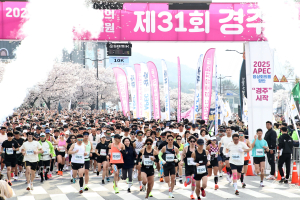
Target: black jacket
{"type": "Point", "coordinates": [270, 137]}
{"type": "Point", "coordinates": [285, 142]}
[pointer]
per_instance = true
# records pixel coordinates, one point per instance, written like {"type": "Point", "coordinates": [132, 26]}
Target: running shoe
{"type": "Point", "coordinates": [171, 195]}
{"type": "Point", "coordinates": [97, 173]}
{"type": "Point", "coordinates": [243, 185]}
{"type": "Point", "coordinates": [116, 190]}
{"type": "Point", "coordinates": [141, 188]}
{"type": "Point", "coordinates": [192, 197]}
{"type": "Point", "coordinates": [180, 181]}
{"type": "Point", "coordinates": [135, 175]}
{"type": "Point", "coordinates": [28, 188]}
{"type": "Point", "coordinates": [221, 173]}
{"type": "Point", "coordinates": [282, 180]}
{"type": "Point", "coordinates": [270, 177]}
{"type": "Point", "coordinates": [185, 184]}
{"type": "Point", "coordinates": [286, 181]}
{"type": "Point", "coordinates": [146, 198]}
{"type": "Point", "coordinates": [80, 190]}
{"type": "Point", "coordinates": [128, 190]}
{"type": "Point", "coordinates": [107, 179]}
{"type": "Point", "coordinates": [216, 187]}
{"type": "Point", "coordinates": [236, 192]}
{"type": "Point", "coordinates": [61, 173]}
{"type": "Point", "coordinates": [21, 174]}
{"type": "Point", "coordinates": [161, 179]}
{"type": "Point", "coordinates": [262, 184]}
{"type": "Point", "coordinates": [103, 182]}
{"type": "Point", "coordinates": [86, 188]}
{"type": "Point", "coordinates": [73, 180]}
{"type": "Point", "coordinates": [150, 194]}
{"type": "Point", "coordinates": [203, 193]}
{"type": "Point", "coordinates": [31, 186]}
{"type": "Point", "coordinates": [127, 180]}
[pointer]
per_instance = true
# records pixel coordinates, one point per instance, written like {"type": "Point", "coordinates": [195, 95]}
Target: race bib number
{"type": "Point", "coordinates": [116, 156]}
{"type": "Point", "coordinates": [201, 169]}
{"type": "Point", "coordinates": [61, 148]}
{"type": "Point", "coordinates": [29, 152]}
{"type": "Point", "coordinates": [190, 161]}
{"type": "Point", "coordinates": [9, 151]}
{"type": "Point", "coordinates": [169, 157]}
{"type": "Point", "coordinates": [148, 162]}
{"type": "Point", "coordinates": [103, 152]}
{"type": "Point", "coordinates": [259, 152]}
{"type": "Point", "coordinates": [94, 144]}
{"type": "Point", "coordinates": [235, 156]}
{"type": "Point", "coordinates": [45, 152]}
{"type": "Point", "coordinates": [78, 157]}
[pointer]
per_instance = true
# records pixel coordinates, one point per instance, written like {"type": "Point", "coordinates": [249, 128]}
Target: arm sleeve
{"type": "Point", "coordinates": [156, 158]}
{"type": "Point", "coordinates": [139, 157]}
{"type": "Point", "coordinates": [273, 140]}
{"type": "Point", "coordinates": [160, 156]}
{"type": "Point", "coordinates": [178, 156]}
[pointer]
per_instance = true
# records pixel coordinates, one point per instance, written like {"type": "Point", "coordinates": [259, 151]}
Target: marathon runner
{"type": "Point", "coordinates": [246, 156]}
{"type": "Point", "coordinates": [88, 149]}
{"type": "Point", "coordinates": [213, 150]}
{"type": "Point", "coordinates": [102, 157]}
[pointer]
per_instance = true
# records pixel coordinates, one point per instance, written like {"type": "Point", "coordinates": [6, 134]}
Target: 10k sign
{"type": "Point", "coordinates": [119, 60]}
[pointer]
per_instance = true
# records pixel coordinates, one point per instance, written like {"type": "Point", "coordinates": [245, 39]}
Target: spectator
{"type": "Point", "coordinates": [270, 137]}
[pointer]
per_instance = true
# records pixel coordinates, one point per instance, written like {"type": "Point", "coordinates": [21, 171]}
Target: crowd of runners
{"type": "Point", "coordinates": [40, 143]}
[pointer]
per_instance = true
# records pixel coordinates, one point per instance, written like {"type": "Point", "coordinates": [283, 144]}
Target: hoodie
{"type": "Point", "coordinates": [285, 142]}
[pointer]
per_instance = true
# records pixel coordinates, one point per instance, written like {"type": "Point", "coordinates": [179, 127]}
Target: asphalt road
{"type": "Point", "coordinates": [60, 188]}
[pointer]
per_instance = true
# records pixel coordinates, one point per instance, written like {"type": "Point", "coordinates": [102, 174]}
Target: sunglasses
{"type": "Point", "coordinates": [149, 143]}
{"type": "Point", "coordinates": [192, 141]}
{"type": "Point", "coordinates": [140, 134]}
{"type": "Point", "coordinates": [108, 133]}
{"type": "Point", "coordinates": [170, 140]}
{"type": "Point", "coordinates": [79, 139]}
{"type": "Point", "coordinates": [241, 134]}
{"type": "Point", "coordinates": [178, 139]}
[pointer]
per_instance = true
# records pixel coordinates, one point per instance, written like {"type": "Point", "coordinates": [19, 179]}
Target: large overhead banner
{"type": "Point", "coordinates": [155, 22]}
{"type": "Point", "coordinates": [260, 73]}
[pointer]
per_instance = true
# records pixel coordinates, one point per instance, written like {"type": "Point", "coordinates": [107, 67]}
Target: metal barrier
{"type": "Point", "coordinates": [296, 154]}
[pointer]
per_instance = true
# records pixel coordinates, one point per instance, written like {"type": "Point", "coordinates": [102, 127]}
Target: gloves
{"type": "Point", "coordinates": [241, 150]}
{"type": "Point", "coordinates": [164, 162]}
{"type": "Point", "coordinates": [176, 160]}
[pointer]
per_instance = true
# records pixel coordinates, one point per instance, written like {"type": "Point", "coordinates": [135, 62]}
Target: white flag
{"type": "Point", "coordinates": [146, 92]}
{"type": "Point", "coordinates": [222, 108]}
{"type": "Point", "coordinates": [293, 108]}
{"type": "Point", "coordinates": [228, 113]}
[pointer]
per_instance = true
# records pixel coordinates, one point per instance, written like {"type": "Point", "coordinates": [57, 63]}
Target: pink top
{"type": "Point", "coordinates": [61, 143]}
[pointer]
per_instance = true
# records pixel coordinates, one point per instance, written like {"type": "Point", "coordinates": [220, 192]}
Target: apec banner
{"type": "Point", "coordinates": [260, 73]}
{"type": "Point", "coordinates": [122, 88]}
{"type": "Point", "coordinates": [207, 75]}
{"type": "Point", "coordinates": [154, 89]}
{"type": "Point", "coordinates": [212, 115]}
{"type": "Point", "coordinates": [179, 92]}
{"type": "Point", "coordinates": [197, 88]}
{"type": "Point", "coordinates": [139, 90]}
{"type": "Point", "coordinates": [166, 89]}
{"type": "Point", "coordinates": [155, 22]}
{"type": "Point", "coordinates": [146, 92]}
{"type": "Point", "coordinates": [131, 77]}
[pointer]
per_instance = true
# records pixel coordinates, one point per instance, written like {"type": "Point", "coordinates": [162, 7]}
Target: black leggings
{"type": "Point", "coordinates": [52, 164]}
{"type": "Point", "coordinates": [124, 174]}
{"type": "Point", "coordinates": [285, 158]}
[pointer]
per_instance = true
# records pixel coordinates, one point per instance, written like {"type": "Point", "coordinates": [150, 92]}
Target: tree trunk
{"type": "Point", "coordinates": [33, 102]}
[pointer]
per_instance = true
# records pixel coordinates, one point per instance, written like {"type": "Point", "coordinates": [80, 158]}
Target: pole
{"type": "Point", "coordinates": [97, 101]}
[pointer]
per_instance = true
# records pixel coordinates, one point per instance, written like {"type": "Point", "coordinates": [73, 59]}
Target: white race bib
{"type": "Point", "coordinates": [45, 152]}
{"type": "Point", "coordinates": [29, 152]}
{"type": "Point", "coordinates": [190, 161]}
{"type": "Point", "coordinates": [78, 157]}
{"type": "Point", "coordinates": [169, 157]}
{"type": "Point", "coordinates": [94, 144]}
{"type": "Point", "coordinates": [148, 162]}
{"type": "Point", "coordinates": [61, 148]}
{"type": "Point", "coordinates": [116, 156]}
{"type": "Point", "coordinates": [201, 169]}
{"type": "Point", "coordinates": [259, 152]}
{"type": "Point", "coordinates": [235, 156]}
{"type": "Point", "coordinates": [9, 151]}
{"type": "Point", "coordinates": [103, 152]}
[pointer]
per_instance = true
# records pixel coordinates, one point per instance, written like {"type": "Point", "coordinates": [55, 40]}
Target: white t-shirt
{"type": "Point", "coordinates": [29, 147]}
{"type": "Point", "coordinates": [203, 138]}
{"type": "Point", "coordinates": [224, 142]}
{"type": "Point", "coordinates": [2, 138]}
{"type": "Point", "coordinates": [236, 157]}
{"type": "Point", "coordinates": [181, 133]}
{"type": "Point", "coordinates": [195, 131]}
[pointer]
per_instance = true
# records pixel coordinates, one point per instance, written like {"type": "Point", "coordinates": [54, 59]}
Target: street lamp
{"type": "Point", "coordinates": [221, 82]}
{"type": "Point", "coordinates": [233, 50]}
{"type": "Point", "coordinates": [97, 102]}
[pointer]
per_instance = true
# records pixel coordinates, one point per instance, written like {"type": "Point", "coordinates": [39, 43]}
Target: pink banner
{"type": "Point", "coordinates": [207, 74]}
{"type": "Point", "coordinates": [154, 22]}
{"type": "Point", "coordinates": [139, 90]}
{"type": "Point", "coordinates": [179, 92]}
{"type": "Point", "coordinates": [154, 81]}
{"type": "Point", "coordinates": [123, 89]}
{"type": "Point", "coordinates": [187, 114]}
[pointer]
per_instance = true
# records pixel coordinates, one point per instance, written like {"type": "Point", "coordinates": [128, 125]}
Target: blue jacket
{"type": "Point", "coordinates": [129, 157]}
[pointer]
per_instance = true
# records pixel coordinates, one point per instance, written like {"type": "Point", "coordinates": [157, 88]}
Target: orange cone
{"type": "Point", "coordinates": [249, 171]}
{"type": "Point", "coordinates": [299, 181]}
{"type": "Point", "coordinates": [224, 170]}
{"type": "Point", "coordinates": [279, 176]}
{"type": "Point", "coordinates": [294, 174]}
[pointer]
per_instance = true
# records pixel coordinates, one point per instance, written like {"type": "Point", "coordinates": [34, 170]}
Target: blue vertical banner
{"type": "Point", "coordinates": [217, 99]}
{"type": "Point", "coordinates": [197, 88]}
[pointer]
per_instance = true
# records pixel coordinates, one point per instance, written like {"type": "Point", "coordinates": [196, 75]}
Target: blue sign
{"type": "Point", "coordinates": [119, 60]}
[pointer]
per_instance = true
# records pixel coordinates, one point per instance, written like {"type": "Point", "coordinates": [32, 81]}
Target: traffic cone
{"type": "Point", "coordinates": [279, 176]}
{"type": "Point", "coordinates": [294, 174]}
{"type": "Point", "coordinates": [224, 170]}
{"type": "Point", "coordinates": [249, 171]}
